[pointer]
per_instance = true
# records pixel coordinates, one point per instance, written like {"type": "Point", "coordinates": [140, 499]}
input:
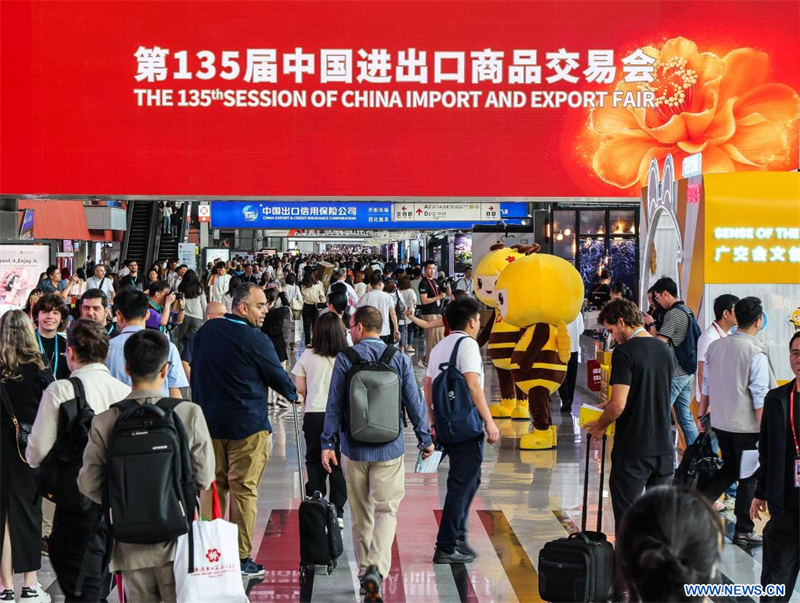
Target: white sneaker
{"type": "Point", "coordinates": [34, 594]}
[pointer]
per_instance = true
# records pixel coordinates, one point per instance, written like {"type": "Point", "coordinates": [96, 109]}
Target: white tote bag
{"type": "Point", "coordinates": [217, 576]}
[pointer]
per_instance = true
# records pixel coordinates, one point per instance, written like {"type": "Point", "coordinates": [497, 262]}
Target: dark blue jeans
{"type": "Point", "coordinates": [463, 481]}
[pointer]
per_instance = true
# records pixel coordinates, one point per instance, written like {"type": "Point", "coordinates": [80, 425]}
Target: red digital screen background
{"type": "Point", "coordinates": [69, 122]}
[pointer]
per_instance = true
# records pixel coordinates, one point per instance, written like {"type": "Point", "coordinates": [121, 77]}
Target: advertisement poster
{"type": "Point", "coordinates": [187, 254]}
{"type": "Point", "coordinates": [20, 268]}
{"type": "Point", "coordinates": [457, 98]}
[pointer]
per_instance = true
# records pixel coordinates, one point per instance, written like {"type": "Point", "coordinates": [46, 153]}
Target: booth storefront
{"type": "Point", "coordinates": [714, 234]}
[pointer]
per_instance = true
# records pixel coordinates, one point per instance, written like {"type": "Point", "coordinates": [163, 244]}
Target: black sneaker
{"type": "Point", "coordinates": [371, 584]}
{"type": "Point", "coordinates": [46, 546]}
{"type": "Point", "coordinates": [7, 595]}
{"type": "Point", "coordinates": [463, 547]}
{"type": "Point", "coordinates": [251, 569]}
{"type": "Point", "coordinates": [440, 557]}
{"type": "Point", "coordinates": [34, 594]}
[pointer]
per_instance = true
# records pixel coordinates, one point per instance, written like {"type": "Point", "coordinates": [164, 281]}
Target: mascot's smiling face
{"type": "Point", "coordinates": [539, 288]}
{"type": "Point", "coordinates": [489, 268]}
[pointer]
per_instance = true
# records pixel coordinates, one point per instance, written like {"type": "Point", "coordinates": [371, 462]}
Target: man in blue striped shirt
{"type": "Point", "coordinates": [375, 474]}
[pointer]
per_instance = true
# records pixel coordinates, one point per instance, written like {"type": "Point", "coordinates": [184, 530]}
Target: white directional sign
{"type": "Point", "coordinates": [446, 212]}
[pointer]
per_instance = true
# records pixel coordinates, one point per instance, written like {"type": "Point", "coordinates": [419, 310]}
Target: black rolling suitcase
{"type": "Point", "coordinates": [320, 536]}
{"type": "Point", "coordinates": [579, 568]}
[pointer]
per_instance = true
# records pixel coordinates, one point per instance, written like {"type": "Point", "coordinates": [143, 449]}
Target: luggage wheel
{"type": "Point", "coordinates": [330, 569]}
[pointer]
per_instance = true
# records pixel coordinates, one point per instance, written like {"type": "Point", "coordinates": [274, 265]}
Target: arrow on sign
{"type": "Point", "coordinates": [419, 212]}
{"type": "Point", "coordinates": [491, 208]}
{"type": "Point", "coordinates": [404, 208]}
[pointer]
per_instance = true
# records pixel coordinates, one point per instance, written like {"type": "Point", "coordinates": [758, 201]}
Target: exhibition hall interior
{"type": "Point", "coordinates": [429, 302]}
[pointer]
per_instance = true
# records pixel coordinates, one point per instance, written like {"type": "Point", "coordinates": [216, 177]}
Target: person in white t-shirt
{"type": "Point", "coordinates": [384, 303]}
{"type": "Point", "coordinates": [312, 374]}
{"type": "Point", "coordinates": [464, 477]}
{"type": "Point", "coordinates": [724, 321]}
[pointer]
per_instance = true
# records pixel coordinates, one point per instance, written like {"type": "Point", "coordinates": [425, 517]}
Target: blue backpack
{"type": "Point", "coordinates": [455, 416]}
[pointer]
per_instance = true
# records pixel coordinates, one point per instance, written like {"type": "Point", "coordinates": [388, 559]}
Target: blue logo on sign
{"type": "Point", "coordinates": [250, 213]}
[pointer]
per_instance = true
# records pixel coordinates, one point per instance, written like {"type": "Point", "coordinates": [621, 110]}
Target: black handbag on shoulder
{"type": "Point", "coordinates": [23, 430]}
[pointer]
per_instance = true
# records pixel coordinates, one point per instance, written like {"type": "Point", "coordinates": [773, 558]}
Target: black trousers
{"type": "Point", "coordinates": [732, 445]}
{"type": "Point", "coordinates": [388, 339]}
{"type": "Point", "coordinates": [313, 424]}
{"type": "Point", "coordinates": [67, 544]}
{"type": "Point", "coordinates": [632, 475]}
{"type": "Point", "coordinates": [567, 389]}
{"type": "Point", "coordinates": [781, 560]}
{"type": "Point", "coordinates": [310, 314]}
{"type": "Point", "coordinates": [463, 481]}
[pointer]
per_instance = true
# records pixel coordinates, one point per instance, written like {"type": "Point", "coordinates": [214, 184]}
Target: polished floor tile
{"type": "Point", "coordinates": [526, 499]}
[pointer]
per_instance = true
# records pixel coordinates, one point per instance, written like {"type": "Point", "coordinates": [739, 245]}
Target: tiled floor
{"type": "Point", "coordinates": [526, 499]}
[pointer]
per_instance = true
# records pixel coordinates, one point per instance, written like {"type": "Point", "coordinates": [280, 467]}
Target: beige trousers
{"type": "Point", "coordinates": [240, 467]}
{"type": "Point", "coordinates": [432, 336]}
{"type": "Point", "coordinates": [150, 585]}
{"type": "Point", "coordinates": [374, 491]}
{"type": "Point", "coordinates": [48, 510]}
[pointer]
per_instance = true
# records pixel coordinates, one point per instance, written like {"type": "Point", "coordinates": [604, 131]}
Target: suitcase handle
{"type": "Point", "coordinates": [586, 483]}
{"type": "Point", "coordinates": [300, 469]}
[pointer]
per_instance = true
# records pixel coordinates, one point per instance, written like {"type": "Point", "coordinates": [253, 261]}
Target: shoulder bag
{"type": "Point", "coordinates": [23, 430]}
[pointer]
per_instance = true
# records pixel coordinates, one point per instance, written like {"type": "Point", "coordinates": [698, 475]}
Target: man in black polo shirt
{"type": "Point", "coordinates": [432, 303]}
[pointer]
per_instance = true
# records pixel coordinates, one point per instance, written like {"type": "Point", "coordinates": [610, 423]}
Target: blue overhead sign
{"type": "Point", "coordinates": [316, 215]}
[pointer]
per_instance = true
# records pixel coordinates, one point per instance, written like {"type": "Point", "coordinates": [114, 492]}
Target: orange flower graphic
{"type": "Point", "coordinates": [724, 108]}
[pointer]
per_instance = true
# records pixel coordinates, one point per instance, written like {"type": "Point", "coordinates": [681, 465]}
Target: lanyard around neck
{"type": "Point", "coordinates": [719, 331]}
{"type": "Point", "coordinates": [791, 422]}
{"type": "Point", "coordinates": [238, 322]}
{"type": "Point", "coordinates": [636, 332]}
{"type": "Point", "coordinates": [54, 359]}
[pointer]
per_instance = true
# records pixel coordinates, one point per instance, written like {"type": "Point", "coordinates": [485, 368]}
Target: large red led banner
{"type": "Point", "coordinates": [431, 98]}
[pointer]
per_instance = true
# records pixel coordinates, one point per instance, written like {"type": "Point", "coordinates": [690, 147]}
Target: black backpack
{"type": "Point", "coordinates": [151, 488]}
{"type": "Point", "coordinates": [686, 352]}
{"type": "Point", "coordinates": [57, 478]}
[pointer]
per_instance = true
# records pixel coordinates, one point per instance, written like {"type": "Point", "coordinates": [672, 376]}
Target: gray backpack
{"type": "Point", "coordinates": [375, 408]}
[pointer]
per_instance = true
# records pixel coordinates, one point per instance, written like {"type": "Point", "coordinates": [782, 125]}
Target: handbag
{"type": "Point", "coordinates": [23, 430]}
{"type": "Point", "coordinates": [217, 576]}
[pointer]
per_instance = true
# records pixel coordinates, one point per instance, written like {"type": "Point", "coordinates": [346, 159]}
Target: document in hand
{"type": "Point", "coordinates": [590, 414]}
{"type": "Point", "coordinates": [429, 465]}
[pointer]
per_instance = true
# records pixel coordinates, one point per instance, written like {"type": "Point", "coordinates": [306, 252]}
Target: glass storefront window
{"type": "Point", "coordinates": [592, 252]}
{"type": "Point", "coordinates": [622, 222]}
{"type": "Point", "coordinates": [622, 261]}
{"type": "Point", "coordinates": [592, 222]}
{"type": "Point", "coordinates": [564, 234]}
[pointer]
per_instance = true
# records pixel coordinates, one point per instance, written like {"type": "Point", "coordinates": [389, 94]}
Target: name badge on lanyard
{"type": "Point", "coordinates": [796, 444]}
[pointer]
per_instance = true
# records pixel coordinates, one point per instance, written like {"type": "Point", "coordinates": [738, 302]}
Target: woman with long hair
{"type": "Point", "coordinates": [409, 299]}
{"type": "Point", "coordinates": [227, 299]}
{"type": "Point", "coordinates": [313, 298]}
{"type": "Point", "coordinates": [33, 297]}
{"type": "Point", "coordinates": [23, 379]}
{"type": "Point", "coordinates": [312, 373]}
{"type": "Point", "coordinates": [192, 290]}
{"type": "Point", "coordinates": [292, 292]}
{"type": "Point", "coordinates": [273, 328]}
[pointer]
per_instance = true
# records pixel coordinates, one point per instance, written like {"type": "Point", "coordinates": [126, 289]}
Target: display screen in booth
{"type": "Point", "coordinates": [20, 267]}
{"type": "Point", "coordinates": [455, 98]}
{"type": "Point", "coordinates": [752, 228]}
{"type": "Point", "coordinates": [317, 215]}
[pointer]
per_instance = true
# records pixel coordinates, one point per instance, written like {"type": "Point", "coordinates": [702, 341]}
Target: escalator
{"type": "Point", "coordinates": [167, 244]}
{"type": "Point", "coordinates": [140, 237]}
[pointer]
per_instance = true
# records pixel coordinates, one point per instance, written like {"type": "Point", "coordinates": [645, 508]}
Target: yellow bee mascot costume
{"type": "Point", "coordinates": [540, 294]}
{"type": "Point", "coordinates": [501, 336]}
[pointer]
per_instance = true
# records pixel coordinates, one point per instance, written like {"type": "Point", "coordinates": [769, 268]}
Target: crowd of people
{"type": "Point", "coordinates": [121, 339]}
